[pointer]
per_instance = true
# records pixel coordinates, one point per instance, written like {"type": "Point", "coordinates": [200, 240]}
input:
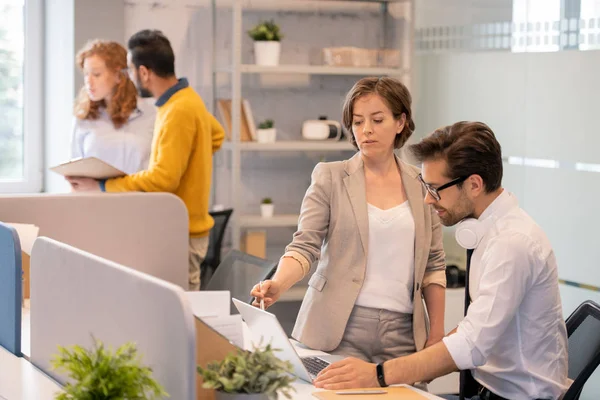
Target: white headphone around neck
{"type": "Point", "coordinates": [470, 231]}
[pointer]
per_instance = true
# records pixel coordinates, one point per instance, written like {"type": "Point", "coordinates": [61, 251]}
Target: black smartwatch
{"type": "Point", "coordinates": [380, 376]}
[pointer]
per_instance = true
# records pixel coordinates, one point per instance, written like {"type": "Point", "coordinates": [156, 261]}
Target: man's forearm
{"type": "Point", "coordinates": [422, 366]}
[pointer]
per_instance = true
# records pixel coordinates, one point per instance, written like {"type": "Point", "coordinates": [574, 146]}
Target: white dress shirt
{"type": "Point", "coordinates": [126, 148]}
{"type": "Point", "coordinates": [390, 260]}
{"type": "Point", "coordinates": [514, 336]}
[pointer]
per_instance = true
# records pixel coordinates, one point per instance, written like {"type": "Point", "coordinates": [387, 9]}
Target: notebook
{"type": "Point", "coordinates": [89, 167]}
{"type": "Point", "coordinates": [392, 393]}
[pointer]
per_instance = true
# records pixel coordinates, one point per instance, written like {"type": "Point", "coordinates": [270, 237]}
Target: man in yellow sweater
{"type": "Point", "coordinates": [185, 137]}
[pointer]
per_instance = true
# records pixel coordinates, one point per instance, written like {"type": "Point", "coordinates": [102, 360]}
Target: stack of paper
{"type": "Point", "coordinates": [213, 308]}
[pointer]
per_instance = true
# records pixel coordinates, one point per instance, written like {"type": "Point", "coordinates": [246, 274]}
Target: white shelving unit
{"type": "Point", "coordinates": [237, 70]}
{"type": "Point", "coordinates": [290, 145]}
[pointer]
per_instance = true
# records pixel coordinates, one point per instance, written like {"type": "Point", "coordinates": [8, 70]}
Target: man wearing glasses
{"type": "Point", "coordinates": [513, 338]}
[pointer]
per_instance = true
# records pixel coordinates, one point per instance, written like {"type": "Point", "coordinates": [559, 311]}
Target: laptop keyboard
{"type": "Point", "coordinates": [314, 365]}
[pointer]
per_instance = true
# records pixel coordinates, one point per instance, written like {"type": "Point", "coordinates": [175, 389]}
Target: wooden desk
{"type": "Point", "coordinates": [21, 380]}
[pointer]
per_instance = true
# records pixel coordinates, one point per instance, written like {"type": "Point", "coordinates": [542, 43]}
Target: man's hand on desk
{"type": "Point", "coordinates": [84, 184]}
{"type": "Point", "coordinates": [349, 373]}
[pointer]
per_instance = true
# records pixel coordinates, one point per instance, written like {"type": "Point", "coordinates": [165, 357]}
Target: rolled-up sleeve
{"type": "Point", "coordinates": [507, 268]}
{"type": "Point", "coordinates": [435, 271]}
{"type": "Point", "coordinates": [313, 222]}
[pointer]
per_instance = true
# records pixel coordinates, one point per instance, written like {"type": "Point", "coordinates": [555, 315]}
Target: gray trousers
{"type": "Point", "coordinates": [197, 251]}
{"type": "Point", "coordinates": [375, 336]}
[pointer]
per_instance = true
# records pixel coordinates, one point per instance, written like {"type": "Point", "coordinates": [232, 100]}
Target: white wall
{"type": "Point", "coordinates": [541, 106]}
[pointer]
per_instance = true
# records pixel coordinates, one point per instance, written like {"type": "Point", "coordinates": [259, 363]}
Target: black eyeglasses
{"type": "Point", "coordinates": [434, 192]}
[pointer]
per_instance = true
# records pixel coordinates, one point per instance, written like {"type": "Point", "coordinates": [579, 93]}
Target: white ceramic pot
{"type": "Point", "coordinates": [266, 52]}
{"type": "Point", "coordinates": [240, 396]}
{"type": "Point", "coordinates": [266, 210]}
{"type": "Point", "coordinates": [266, 135]}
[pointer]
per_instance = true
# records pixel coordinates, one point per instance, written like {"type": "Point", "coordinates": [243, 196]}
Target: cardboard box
{"type": "Point", "coordinates": [255, 243]}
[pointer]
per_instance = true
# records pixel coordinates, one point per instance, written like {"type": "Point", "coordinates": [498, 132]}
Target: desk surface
{"type": "Point", "coordinates": [304, 389]}
{"type": "Point", "coordinates": [21, 380]}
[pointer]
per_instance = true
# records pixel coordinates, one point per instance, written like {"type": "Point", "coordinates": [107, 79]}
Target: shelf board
{"type": "Point", "coordinates": [276, 221]}
{"type": "Point", "coordinates": [292, 145]}
{"type": "Point", "coordinates": [315, 70]}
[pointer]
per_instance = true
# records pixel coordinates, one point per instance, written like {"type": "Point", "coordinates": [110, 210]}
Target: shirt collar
{"type": "Point", "coordinates": [500, 206]}
{"type": "Point", "coordinates": [182, 83]}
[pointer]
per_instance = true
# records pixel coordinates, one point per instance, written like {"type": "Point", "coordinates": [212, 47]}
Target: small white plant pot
{"type": "Point", "coordinates": [266, 135]}
{"type": "Point", "coordinates": [266, 210]}
{"type": "Point", "coordinates": [266, 52]}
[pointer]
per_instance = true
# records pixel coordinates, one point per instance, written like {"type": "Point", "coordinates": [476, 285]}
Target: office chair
{"type": "Point", "coordinates": [238, 273]}
{"type": "Point", "coordinates": [583, 327]}
{"type": "Point", "coordinates": [213, 255]}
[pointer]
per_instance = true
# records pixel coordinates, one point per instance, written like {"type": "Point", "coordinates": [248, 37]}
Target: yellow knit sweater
{"type": "Point", "coordinates": [185, 137]}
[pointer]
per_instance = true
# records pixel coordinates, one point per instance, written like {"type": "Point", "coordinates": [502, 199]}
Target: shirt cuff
{"type": "Point", "coordinates": [435, 277]}
{"type": "Point", "coordinates": [304, 264]}
{"type": "Point", "coordinates": [102, 183]}
{"type": "Point", "coordinates": [459, 350]}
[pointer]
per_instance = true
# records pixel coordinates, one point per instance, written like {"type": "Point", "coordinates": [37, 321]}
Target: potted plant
{"type": "Point", "coordinates": [266, 132]}
{"type": "Point", "coordinates": [100, 374]}
{"type": "Point", "coordinates": [267, 207]}
{"type": "Point", "coordinates": [267, 46]}
{"type": "Point", "coordinates": [248, 375]}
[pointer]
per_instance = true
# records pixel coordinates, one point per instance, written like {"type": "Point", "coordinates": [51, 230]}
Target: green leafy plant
{"type": "Point", "coordinates": [258, 371]}
{"type": "Point", "coordinates": [267, 200]}
{"type": "Point", "coordinates": [100, 374]}
{"type": "Point", "coordinates": [266, 124]}
{"type": "Point", "coordinates": [266, 31]}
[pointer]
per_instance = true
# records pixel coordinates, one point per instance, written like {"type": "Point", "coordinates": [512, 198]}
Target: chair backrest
{"type": "Point", "coordinates": [213, 255]}
{"type": "Point", "coordinates": [238, 273]}
{"type": "Point", "coordinates": [11, 287]}
{"type": "Point", "coordinates": [583, 327]}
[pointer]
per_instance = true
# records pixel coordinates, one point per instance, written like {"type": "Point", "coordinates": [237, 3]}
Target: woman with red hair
{"type": "Point", "coordinates": [111, 122]}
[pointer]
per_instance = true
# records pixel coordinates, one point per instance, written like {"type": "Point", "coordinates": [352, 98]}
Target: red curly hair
{"type": "Point", "coordinates": [124, 99]}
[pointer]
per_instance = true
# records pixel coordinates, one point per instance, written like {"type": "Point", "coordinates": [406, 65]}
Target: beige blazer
{"type": "Point", "coordinates": [333, 230]}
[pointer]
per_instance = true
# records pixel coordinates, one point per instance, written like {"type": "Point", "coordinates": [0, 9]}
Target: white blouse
{"type": "Point", "coordinates": [390, 260]}
{"type": "Point", "coordinates": [126, 148]}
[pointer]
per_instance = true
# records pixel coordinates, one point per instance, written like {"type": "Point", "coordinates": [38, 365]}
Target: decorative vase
{"type": "Point", "coordinates": [266, 135]}
{"type": "Point", "coordinates": [266, 52]}
{"type": "Point", "coordinates": [266, 210]}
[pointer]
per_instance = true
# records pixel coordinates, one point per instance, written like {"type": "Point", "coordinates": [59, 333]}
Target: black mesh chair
{"type": "Point", "coordinates": [583, 328]}
{"type": "Point", "coordinates": [238, 273]}
{"type": "Point", "coordinates": [213, 255]}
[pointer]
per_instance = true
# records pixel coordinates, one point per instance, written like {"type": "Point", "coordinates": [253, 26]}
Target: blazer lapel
{"type": "Point", "coordinates": [414, 193]}
{"type": "Point", "coordinates": [355, 186]}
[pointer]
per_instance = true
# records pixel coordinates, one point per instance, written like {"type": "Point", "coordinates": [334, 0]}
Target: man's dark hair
{"type": "Point", "coordinates": [468, 148]}
{"type": "Point", "coordinates": [152, 49]}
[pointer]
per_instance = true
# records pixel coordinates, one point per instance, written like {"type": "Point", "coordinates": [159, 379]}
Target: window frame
{"type": "Point", "coordinates": [33, 112]}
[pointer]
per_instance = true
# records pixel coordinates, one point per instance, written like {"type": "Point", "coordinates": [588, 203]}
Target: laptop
{"type": "Point", "coordinates": [263, 324]}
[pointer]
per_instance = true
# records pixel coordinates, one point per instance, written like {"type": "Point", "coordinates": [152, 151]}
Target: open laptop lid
{"type": "Point", "coordinates": [264, 325]}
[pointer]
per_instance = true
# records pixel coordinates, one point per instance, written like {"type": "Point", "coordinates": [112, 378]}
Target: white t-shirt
{"type": "Point", "coordinates": [390, 260]}
{"type": "Point", "coordinates": [127, 148]}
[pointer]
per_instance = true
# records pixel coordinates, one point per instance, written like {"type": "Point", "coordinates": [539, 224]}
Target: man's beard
{"type": "Point", "coordinates": [463, 209]}
{"type": "Point", "coordinates": [144, 93]}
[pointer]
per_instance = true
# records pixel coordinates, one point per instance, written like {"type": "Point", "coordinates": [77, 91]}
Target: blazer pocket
{"type": "Point", "coordinates": [317, 282]}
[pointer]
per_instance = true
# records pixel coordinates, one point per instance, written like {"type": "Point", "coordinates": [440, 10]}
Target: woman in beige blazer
{"type": "Point", "coordinates": [377, 247]}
